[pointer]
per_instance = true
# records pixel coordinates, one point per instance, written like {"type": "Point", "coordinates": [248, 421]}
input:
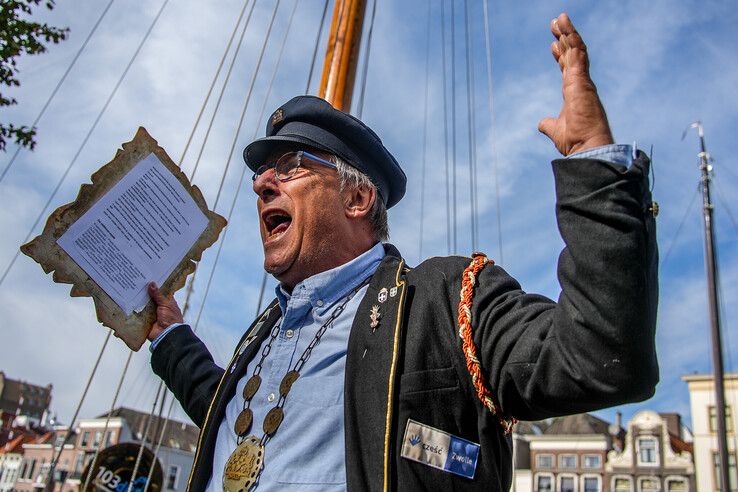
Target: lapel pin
{"type": "Point", "coordinates": [393, 291]}
{"type": "Point", "coordinates": [382, 295]}
{"type": "Point", "coordinates": [374, 316]}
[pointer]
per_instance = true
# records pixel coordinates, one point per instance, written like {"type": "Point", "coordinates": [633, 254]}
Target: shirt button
{"type": "Point", "coordinates": [270, 398]}
{"type": "Point", "coordinates": [289, 333]}
{"type": "Point", "coordinates": [319, 303]}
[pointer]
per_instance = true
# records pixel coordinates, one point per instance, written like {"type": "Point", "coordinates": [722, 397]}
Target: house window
{"type": "Point", "coordinates": [108, 439]}
{"type": "Point", "coordinates": [172, 477]}
{"type": "Point", "coordinates": [676, 485]}
{"type": "Point", "coordinates": [85, 439]}
{"type": "Point", "coordinates": [566, 483]}
{"type": "Point", "coordinates": [712, 410]}
{"type": "Point", "coordinates": [648, 484]}
{"type": "Point", "coordinates": [592, 461]}
{"type": "Point", "coordinates": [647, 451]}
{"type": "Point", "coordinates": [31, 468]}
{"type": "Point", "coordinates": [622, 484]}
{"type": "Point", "coordinates": [568, 461]}
{"type": "Point", "coordinates": [544, 483]}
{"type": "Point", "coordinates": [732, 475]}
{"type": "Point", "coordinates": [591, 484]}
{"type": "Point", "coordinates": [544, 461]}
{"type": "Point", "coordinates": [97, 440]}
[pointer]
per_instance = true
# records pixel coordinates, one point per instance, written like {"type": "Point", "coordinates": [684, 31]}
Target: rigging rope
{"type": "Point", "coordinates": [445, 128]}
{"type": "Point", "coordinates": [315, 50]}
{"type": "Point", "coordinates": [366, 60]}
{"type": "Point", "coordinates": [222, 91]}
{"type": "Point", "coordinates": [212, 85]}
{"type": "Point", "coordinates": [107, 422]}
{"type": "Point", "coordinates": [55, 459]}
{"type": "Point", "coordinates": [488, 50]}
{"type": "Point", "coordinates": [679, 229]}
{"type": "Point", "coordinates": [471, 127]}
{"type": "Point", "coordinates": [425, 135]}
{"type": "Point", "coordinates": [144, 437]}
{"type": "Point", "coordinates": [87, 137]}
{"type": "Point", "coordinates": [453, 122]}
{"type": "Point", "coordinates": [58, 85]}
{"type": "Point", "coordinates": [233, 146]}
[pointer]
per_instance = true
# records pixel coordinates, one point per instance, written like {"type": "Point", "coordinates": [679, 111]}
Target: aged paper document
{"type": "Point", "coordinates": [140, 220]}
{"type": "Point", "coordinates": [138, 232]}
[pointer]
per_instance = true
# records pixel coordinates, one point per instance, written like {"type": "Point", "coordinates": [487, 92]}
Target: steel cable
{"type": "Point", "coordinates": [470, 125]}
{"type": "Point", "coordinates": [366, 60]}
{"type": "Point", "coordinates": [488, 50]}
{"type": "Point", "coordinates": [55, 459]}
{"type": "Point", "coordinates": [222, 91]}
{"type": "Point", "coordinates": [58, 85]}
{"type": "Point", "coordinates": [235, 140]}
{"type": "Point", "coordinates": [87, 137]}
{"type": "Point", "coordinates": [425, 136]}
{"type": "Point", "coordinates": [445, 128]}
{"type": "Point", "coordinates": [453, 125]}
{"type": "Point", "coordinates": [315, 50]}
{"type": "Point", "coordinates": [107, 421]}
{"type": "Point", "coordinates": [212, 85]}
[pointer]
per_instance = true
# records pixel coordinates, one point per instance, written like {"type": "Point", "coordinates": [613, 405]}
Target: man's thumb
{"type": "Point", "coordinates": [155, 293]}
{"type": "Point", "coordinates": [547, 126]}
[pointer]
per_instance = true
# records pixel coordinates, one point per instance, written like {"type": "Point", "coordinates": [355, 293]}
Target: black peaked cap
{"type": "Point", "coordinates": [312, 121]}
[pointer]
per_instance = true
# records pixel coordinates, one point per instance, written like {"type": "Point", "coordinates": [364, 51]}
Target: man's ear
{"type": "Point", "coordinates": [358, 201]}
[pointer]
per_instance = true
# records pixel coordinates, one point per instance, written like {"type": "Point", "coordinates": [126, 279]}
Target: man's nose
{"type": "Point", "coordinates": [266, 185]}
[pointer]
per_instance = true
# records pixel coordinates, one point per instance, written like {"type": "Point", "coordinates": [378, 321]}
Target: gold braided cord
{"type": "Point", "coordinates": [484, 393]}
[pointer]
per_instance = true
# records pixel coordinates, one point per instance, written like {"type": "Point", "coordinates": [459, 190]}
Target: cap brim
{"type": "Point", "coordinates": [256, 153]}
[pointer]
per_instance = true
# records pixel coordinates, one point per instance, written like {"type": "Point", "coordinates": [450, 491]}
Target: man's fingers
{"type": "Point", "coordinates": [556, 50]}
{"type": "Point", "coordinates": [547, 126]}
{"type": "Point", "coordinates": [564, 25]}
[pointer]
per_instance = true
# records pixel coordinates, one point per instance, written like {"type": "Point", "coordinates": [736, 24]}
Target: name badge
{"type": "Point", "coordinates": [439, 449]}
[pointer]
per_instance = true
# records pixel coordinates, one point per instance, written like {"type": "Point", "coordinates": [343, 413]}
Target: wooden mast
{"type": "Point", "coordinates": [342, 53]}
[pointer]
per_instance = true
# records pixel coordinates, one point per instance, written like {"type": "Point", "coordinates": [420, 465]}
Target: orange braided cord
{"type": "Point", "coordinates": [468, 282]}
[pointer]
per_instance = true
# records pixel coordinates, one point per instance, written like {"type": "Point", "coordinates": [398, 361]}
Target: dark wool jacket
{"type": "Point", "coordinates": [592, 349]}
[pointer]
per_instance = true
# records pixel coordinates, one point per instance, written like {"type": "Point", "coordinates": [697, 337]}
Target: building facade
{"type": "Point", "coordinates": [704, 427]}
{"type": "Point", "coordinates": [655, 457]}
{"type": "Point", "coordinates": [569, 456]}
{"type": "Point", "coordinates": [176, 453]}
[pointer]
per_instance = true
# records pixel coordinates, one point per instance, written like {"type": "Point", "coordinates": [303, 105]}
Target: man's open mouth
{"type": "Point", "coordinates": [276, 222]}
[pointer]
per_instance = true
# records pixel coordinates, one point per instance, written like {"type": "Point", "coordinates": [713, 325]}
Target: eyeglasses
{"type": "Point", "coordinates": [286, 166]}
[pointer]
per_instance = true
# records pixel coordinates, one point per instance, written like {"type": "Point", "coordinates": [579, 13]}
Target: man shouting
{"type": "Point", "coordinates": [366, 374]}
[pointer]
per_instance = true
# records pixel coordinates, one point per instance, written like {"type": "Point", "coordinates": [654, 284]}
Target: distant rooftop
{"type": "Point", "coordinates": [177, 435]}
{"type": "Point", "coordinates": [580, 424]}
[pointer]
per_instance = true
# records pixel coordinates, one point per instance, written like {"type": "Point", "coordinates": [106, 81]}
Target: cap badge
{"type": "Point", "coordinates": [277, 116]}
{"type": "Point", "coordinates": [382, 295]}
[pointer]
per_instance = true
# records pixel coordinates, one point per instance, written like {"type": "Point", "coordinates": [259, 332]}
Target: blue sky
{"type": "Point", "coordinates": [659, 66]}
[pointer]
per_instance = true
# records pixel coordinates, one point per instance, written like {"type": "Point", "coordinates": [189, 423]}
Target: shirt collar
{"type": "Point", "coordinates": [326, 288]}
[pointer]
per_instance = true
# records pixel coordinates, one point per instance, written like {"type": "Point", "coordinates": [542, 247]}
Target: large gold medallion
{"type": "Point", "coordinates": [243, 466]}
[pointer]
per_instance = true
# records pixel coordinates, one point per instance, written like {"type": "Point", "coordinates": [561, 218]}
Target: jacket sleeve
{"type": "Point", "coordinates": [595, 347]}
{"type": "Point", "coordinates": [188, 369]}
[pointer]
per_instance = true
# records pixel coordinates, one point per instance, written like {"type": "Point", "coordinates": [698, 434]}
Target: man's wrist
{"type": "Point", "coordinates": [163, 334]}
{"type": "Point", "coordinates": [616, 153]}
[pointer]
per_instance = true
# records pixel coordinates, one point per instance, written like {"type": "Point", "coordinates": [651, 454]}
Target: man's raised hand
{"type": "Point", "coordinates": [582, 123]}
{"type": "Point", "coordinates": [167, 311]}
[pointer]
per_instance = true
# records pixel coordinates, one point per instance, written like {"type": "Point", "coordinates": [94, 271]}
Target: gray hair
{"type": "Point", "coordinates": [353, 178]}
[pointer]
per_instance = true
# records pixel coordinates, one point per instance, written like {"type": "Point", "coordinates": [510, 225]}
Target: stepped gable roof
{"type": "Point", "coordinates": [581, 424]}
{"type": "Point", "coordinates": [178, 435]}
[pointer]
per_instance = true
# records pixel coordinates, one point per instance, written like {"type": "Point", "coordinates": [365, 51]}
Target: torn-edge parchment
{"type": "Point", "coordinates": [52, 258]}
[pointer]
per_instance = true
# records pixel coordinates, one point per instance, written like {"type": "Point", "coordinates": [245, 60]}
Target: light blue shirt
{"type": "Point", "coordinates": [308, 452]}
